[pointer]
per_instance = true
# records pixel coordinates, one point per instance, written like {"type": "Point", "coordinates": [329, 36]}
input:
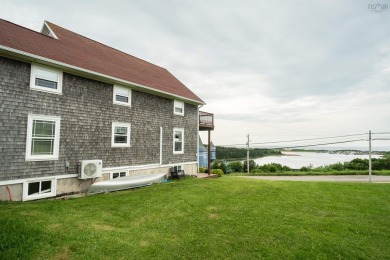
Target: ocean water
{"type": "Point", "coordinates": [296, 160]}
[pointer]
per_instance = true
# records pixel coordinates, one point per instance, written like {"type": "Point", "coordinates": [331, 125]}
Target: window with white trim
{"type": "Point", "coordinates": [39, 189]}
{"type": "Point", "coordinates": [115, 175]}
{"type": "Point", "coordinates": [178, 108]}
{"type": "Point", "coordinates": [122, 96]}
{"type": "Point", "coordinates": [43, 137]}
{"type": "Point", "coordinates": [120, 135]}
{"type": "Point", "coordinates": [46, 79]}
{"type": "Point", "coordinates": [178, 140]}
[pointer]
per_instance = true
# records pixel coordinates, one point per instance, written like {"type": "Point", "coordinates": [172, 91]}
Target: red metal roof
{"type": "Point", "coordinates": [76, 50]}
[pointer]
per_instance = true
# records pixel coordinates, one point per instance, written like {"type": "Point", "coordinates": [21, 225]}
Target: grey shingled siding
{"type": "Point", "coordinates": [87, 112]}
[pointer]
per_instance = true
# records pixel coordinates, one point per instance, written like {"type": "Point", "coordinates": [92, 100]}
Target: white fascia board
{"type": "Point", "coordinates": [111, 79]}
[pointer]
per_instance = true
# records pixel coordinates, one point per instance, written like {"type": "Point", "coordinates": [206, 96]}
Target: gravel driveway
{"type": "Point", "coordinates": [337, 178]}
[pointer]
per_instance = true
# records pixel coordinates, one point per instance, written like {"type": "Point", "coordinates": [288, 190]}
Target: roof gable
{"type": "Point", "coordinates": [64, 46]}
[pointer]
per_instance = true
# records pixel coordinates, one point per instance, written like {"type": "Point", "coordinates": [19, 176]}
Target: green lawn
{"type": "Point", "coordinates": [224, 218]}
{"type": "Point", "coordinates": [312, 172]}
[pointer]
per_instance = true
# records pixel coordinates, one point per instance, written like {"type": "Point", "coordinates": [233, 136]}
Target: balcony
{"type": "Point", "coordinates": [206, 121]}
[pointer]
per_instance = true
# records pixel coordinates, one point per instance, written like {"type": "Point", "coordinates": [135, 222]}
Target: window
{"type": "Point", "coordinates": [178, 108]}
{"type": "Point", "coordinates": [122, 96]}
{"type": "Point", "coordinates": [46, 79]}
{"type": "Point", "coordinates": [120, 135]}
{"type": "Point", "coordinates": [43, 136]}
{"type": "Point", "coordinates": [115, 175]}
{"type": "Point", "coordinates": [39, 189]}
{"type": "Point", "coordinates": [178, 140]}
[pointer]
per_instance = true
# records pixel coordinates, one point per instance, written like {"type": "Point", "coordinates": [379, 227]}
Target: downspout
{"type": "Point", "coordinates": [161, 143]}
{"type": "Point", "coordinates": [197, 140]}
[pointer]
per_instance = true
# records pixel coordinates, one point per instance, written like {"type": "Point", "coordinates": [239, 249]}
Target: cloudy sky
{"type": "Point", "coordinates": [278, 70]}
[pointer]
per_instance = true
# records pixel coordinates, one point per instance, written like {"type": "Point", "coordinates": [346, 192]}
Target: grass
{"type": "Point", "coordinates": [224, 218]}
{"type": "Point", "coordinates": [312, 172]}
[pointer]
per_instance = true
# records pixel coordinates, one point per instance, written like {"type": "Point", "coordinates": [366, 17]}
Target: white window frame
{"type": "Point", "coordinates": [178, 104]}
{"type": "Point", "coordinates": [112, 174]}
{"type": "Point", "coordinates": [182, 141]}
{"type": "Point", "coordinates": [56, 145]}
{"type": "Point", "coordinates": [33, 76]}
{"type": "Point", "coordinates": [40, 195]}
{"type": "Point", "coordinates": [116, 90]}
{"type": "Point", "coordinates": [116, 124]}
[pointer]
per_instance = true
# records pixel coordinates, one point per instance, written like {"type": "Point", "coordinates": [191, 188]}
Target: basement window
{"type": "Point", "coordinates": [120, 135]}
{"type": "Point", "coordinates": [115, 175]}
{"type": "Point", "coordinates": [178, 108]}
{"type": "Point", "coordinates": [122, 96]}
{"type": "Point", "coordinates": [46, 79]}
{"type": "Point", "coordinates": [39, 189]}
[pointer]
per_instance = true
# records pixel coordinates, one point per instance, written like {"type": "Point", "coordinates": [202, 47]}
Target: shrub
{"type": "Point", "coordinates": [257, 170]}
{"type": "Point", "coordinates": [215, 164]}
{"type": "Point", "coordinates": [337, 166]}
{"type": "Point", "coordinates": [202, 169]}
{"type": "Point", "coordinates": [222, 166]}
{"type": "Point", "coordinates": [219, 165]}
{"type": "Point", "coordinates": [236, 166]}
{"type": "Point", "coordinates": [273, 168]}
{"type": "Point", "coordinates": [218, 172]}
{"type": "Point", "coordinates": [252, 165]}
{"type": "Point", "coordinates": [304, 169]}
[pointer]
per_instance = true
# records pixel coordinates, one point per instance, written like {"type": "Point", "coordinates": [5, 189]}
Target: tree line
{"type": "Point", "coordinates": [357, 164]}
{"type": "Point", "coordinates": [228, 153]}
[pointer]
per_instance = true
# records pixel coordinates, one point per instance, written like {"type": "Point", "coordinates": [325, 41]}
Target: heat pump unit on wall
{"type": "Point", "coordinates": [90, 169]}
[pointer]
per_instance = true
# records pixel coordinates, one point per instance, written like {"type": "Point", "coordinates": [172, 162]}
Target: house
{"type": "Point", "coordinates": [74, 111]}
{"type": "Point", "coordinates": [203, 154]}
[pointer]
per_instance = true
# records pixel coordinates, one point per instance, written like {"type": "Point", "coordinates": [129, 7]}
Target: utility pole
{"type": "Point", "coordinates": [369, 156]}
{"type": "Point", "coordinates": [247, 155]}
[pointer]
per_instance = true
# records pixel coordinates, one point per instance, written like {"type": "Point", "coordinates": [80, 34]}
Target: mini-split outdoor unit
{"type": "Point", "coordinates": [90, 169]}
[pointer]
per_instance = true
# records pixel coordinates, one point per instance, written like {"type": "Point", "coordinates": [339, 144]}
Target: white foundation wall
{"type": "Point", "coordinates": [75, 185]}
{"type": "Point", "coordinates": [13, 193]}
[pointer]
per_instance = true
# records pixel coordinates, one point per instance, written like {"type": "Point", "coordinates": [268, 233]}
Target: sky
{"type": "Point", "coordinates": [276, 70]}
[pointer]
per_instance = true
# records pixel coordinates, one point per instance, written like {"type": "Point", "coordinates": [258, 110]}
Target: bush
{"type": "Point", "coordinates": [219, 165]}
{"type": "Point", "coordinates": [222, 166]}
{"type": "Point", "coordinates": [273, 167]}
{"type": "Point", "coordinates": [337, 166]}
{"type": "Point", "coordinates": [215, 164]}
{"type": "Point", "coordinates": [304, 169]}
{"type": "Point", "coordinates": [236, 166]}
{"type": "Point", "coordinates": [218, 172]}
{"type": "Point", "coordinates": [202, 169]}
{"type": "Point", "coordinates": [252, 165]}
{"type": "Point", "coordinates": [257, 170]}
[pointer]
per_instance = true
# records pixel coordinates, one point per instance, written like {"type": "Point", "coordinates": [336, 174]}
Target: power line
{"type": "Point", "coordinates": [381, 139]}
{"type": "Point", "coordinates": [298, 140]}
{"type": "Point", "coordinates": [309, 139]}
{"type": "Point", "coordinates": [311, 145]}
{"type": "Point", "coordinates": [312, 139]}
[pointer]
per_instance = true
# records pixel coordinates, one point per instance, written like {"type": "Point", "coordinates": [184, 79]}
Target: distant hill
{"type": "Point", "coordinates": [229, 153]}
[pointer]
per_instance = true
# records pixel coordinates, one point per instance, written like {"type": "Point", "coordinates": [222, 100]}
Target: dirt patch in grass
{"type": "Point", "coordinates": [103, 227]}
{"type": "Point", "coordinates": [64, 254]}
